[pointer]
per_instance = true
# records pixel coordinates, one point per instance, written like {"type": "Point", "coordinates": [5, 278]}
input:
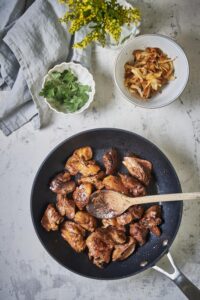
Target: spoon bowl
{"type": "Point", "coordinates": [106, 204]}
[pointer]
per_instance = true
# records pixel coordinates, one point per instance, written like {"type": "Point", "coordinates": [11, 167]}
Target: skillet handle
{"type": "Point", "coordinates": [184, 284]}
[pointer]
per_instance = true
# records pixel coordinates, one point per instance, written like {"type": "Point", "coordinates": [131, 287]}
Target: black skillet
{"type": "Point", "coordinates": [164, 181]}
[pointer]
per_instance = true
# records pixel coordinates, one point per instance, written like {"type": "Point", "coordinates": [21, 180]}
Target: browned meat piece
{"type": "Point", "coordinates": [133, 185]}
{"type": "Point", "coordinates": [137, 211]}
{"type": "Point", "coordinates": [155, 230]}
{"type": "Point", "coordinates": [61, 184]}
{"type": "Point", "coordinates": [65, 206]}
{"type": "Point", "coordinates": [121, 252]}
{"type": "Point", "coordinates": [87, 221]}
{"type": "Point", "coordinates": [112, 222]}
{"type": "Point", "coordinates": [63, 187]}
{"type": "Point", "coordinates": [110, 160]}
{"type": "Point", "coordinates": [63, 176]}
{"type": "Point", "coordinates": [73, 164]}
{"type": "Point", "coordinates": [153, 212]}
{"type": "Point", "coordinates": [100, 247]}
{"type": "Point", "coordinates": [84, 152]}
{"type": "Point", "coordinates": [82, 194]}
{"type": "Point", "coordinates": [152, 218]}
{"type": "Point", "coordinates": [108, 222]}
{"type": "Point", "coordinates": [95, 180]}
{"type": "Point", "coordinates": [51, 218]}
{"type": "Point", "coordinates": [80, 162]}
{"type": "Point", "coordinates": [118, 236]}
{"type": "Point", "coordinates": [114, 183]}
{"type": "Point", "coordinates": [139, 168]}
{"type": "Point", "coordinates": [74, 234]}
{"type": "Point", "coordinates": [139, 232]}
{"type": "Point", "coordinates": [134, 212]}
{"type": "Point", "coordinates": [76, 164]}
{"type": "Point", "coordinates": [125, 218]}
{"type": "Point", "coordinates": [88, 168]}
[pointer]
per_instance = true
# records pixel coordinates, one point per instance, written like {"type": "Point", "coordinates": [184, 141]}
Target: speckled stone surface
{"type": "Point", "coordinates": [27, 272]}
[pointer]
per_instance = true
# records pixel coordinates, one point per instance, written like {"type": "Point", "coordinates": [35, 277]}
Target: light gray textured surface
{"type": "Point", "coordinates": [27, 271]}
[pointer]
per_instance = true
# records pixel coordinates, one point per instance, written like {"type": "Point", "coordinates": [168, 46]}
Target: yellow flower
{"type": "Point", "coordinates": [104, 17]}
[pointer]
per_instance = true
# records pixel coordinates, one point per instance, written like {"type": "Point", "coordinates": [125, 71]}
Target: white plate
{"type": "Point", "coordinates": [174, 88]}
{"type": "Point", "coordinates": [84, 77]}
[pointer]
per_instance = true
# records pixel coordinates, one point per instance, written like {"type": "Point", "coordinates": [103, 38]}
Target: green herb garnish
{"type": "Point", "coordinates": [65, 92]}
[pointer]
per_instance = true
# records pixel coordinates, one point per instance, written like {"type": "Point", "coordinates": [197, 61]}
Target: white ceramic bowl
{"type": "Point", "coordinates": [173, 89]}
{"type": "Point", "coordinates": [84, 77]}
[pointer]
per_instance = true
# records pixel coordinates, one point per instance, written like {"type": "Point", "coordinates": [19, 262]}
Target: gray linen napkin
{"type": "Point", "coordinates": [32, 40]}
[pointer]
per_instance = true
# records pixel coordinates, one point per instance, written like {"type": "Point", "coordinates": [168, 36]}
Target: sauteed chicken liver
{"type": "Point", "coordinates": [107, 239]}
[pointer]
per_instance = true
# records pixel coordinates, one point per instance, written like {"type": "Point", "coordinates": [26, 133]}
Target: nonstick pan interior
{"type": "Point", "coordinates": [164, 181]}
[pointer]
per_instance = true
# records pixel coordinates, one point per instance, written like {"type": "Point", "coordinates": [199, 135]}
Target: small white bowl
{"type": "Point", "coordinates": [173, 89]}
{"type": "Point", "coordinates": [84, 77]}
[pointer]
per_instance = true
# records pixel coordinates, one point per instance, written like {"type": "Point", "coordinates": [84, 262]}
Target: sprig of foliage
{"type": "Point", "coordinates": [63, 89]}
{"type": "Point", "coordinates": [101, 16]}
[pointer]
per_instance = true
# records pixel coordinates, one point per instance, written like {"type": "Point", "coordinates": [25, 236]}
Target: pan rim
{"type": "Point", "coordinates": [149, 265]}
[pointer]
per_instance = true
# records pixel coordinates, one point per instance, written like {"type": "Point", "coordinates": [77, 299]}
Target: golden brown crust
{"type": "Point", "coordinates": [86, 221]}
{"type": "Point", "coordinates": [125, 218]}
{"type": "Point", "coordinates": [65, 206]}
{"type": "Point", "coordinates": [113, 222]}
{"type": "Point", "coordinates": [134, 186]}
{"type": "Point", "coordinates": [96, 180]}
{"type": "Point", "coordinates": [84, 152]}
{"type": "Point", "coordinates": [88, 168]}
{"type": "Point", "coordinates": [122, 252]}
{"type": "Point", "coordinates": [138, 168]}
{"type": "Point", "coordinates": [152, 218]}
{"type": "Point", "coordinates": [51, 218]}
{"type": "Point", "coordinates": [74, 234]}
{"type": "Point", "coordinates": [108, 237]}
{"type": "Point", "coordinates": [82, 194]}
{"type": "Point", "coordinates": [61, 183]}
{"type": "Point", "coordinates": [100, 247]}
{"type": "Point", "coordinates": [110, 160]}
{"type": "Point", "coordinates": [118, 236]}
{"type": "Point", "coordinates": [137, 211]}
{"type": "Point", "coordinates": [114, 183]}
{"type": "Point", "coordinates": [73, 164]}
{"type": "Point", "coordinates": [139, 232]}
{"type": "Point", "coordinates": [81, 162]}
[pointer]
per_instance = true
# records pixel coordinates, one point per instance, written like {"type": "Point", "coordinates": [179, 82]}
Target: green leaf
{"type": "Point", "coordinates": [55, 75]}
{"type": "Point", "coordinates": [64, 89]}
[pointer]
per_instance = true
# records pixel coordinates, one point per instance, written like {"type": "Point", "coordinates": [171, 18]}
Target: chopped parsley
{"type": "Point", "coordinates": [65, 92]}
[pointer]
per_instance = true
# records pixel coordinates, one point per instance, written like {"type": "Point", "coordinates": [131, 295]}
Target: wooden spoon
{"type": "Point", "coordinates": [107, 204]}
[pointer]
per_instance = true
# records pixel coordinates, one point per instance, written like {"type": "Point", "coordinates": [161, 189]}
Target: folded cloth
{"type": "Point", "coordinates": [32, 41]}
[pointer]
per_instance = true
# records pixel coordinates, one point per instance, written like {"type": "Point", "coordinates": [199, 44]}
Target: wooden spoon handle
{"type": "Point", "coordinates": [165, 198]}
